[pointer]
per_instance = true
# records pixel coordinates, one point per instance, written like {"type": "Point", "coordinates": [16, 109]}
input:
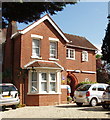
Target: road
{"type": "Point", "coordinates": [60, 111]}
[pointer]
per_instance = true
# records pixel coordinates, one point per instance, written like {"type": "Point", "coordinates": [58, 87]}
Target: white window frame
{"type": "Point", "coordinates": [48, 72]}
{"type": "Point", "coordinates": [36, 37]}
{"type": "Point", "coordinates": [56, 50]}
{"type": "Point", "coordinates": [69, 53]}
{"type": "Point", "coordinates": [85, 56]}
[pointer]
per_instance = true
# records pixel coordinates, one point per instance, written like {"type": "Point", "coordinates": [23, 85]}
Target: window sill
{"type": "Point", "coordinates": [54, 93]}
{"type": "Point", "coordinates": [70, 58]}
{"type": "Point", "coordinates": [36, 57]}
{"type": "Point", "coordinates": [53, 59]}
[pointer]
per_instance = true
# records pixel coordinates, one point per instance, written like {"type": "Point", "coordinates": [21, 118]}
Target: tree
{"type": "Point", "coordinates": [29, 11]}
{"type": "Point", "coordinates": [106, 45]}
{"type": "Point", "coordinates": [102, 73]}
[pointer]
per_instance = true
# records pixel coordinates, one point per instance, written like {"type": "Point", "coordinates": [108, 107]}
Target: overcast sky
{"type": "Point", "coordinates": [87, 19]}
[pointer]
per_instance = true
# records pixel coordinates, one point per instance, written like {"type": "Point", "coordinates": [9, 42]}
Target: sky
{"type": "Point", "coordinates": [86, 19]}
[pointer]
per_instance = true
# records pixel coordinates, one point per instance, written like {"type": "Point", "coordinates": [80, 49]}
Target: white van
{"type": "Point", "coordinates": [8, 96]}
{"type": "Point", "coordinates": [89, 94]}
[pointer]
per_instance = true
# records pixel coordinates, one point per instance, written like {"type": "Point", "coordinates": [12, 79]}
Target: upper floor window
{"type": "Point", "coordinates": [36, 47]}
{"type": "Point", "coordinates": [84, 56]}
{"type": "Point", "coordinates": [70, 53]}
{"type": "Point", "coordinates": [53, 49]}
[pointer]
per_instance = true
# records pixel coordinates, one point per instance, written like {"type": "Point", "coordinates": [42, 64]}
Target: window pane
{"type": "Point", "coordinates": [52, 76]}
{"type": "Point", "coordinates": [35, 47]}
{"type": "Point", "coordinates": [44, 76]}
{"type": "Point", "coordinates": [67, 52]}
{"type": "Point", "coordinates": [43, 86]}
{"type": "Point", "coordinates": [71, 54]}
{"type": "Point", "coordinates": [53, 49]}
{"type": "Point", "coordinates": [34, 76]}
{"type": "Point", "coordinates": [100, 88]}
{"type": "Point", "coordinates": [52, 86]}
{"type": "Point", "coordinates": [34, 86]}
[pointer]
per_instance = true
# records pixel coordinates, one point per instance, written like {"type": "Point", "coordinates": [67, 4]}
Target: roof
{"type": "Point", "coordinates": [78, 41]}
{"type": "Point", "coordinates": [43, 64]}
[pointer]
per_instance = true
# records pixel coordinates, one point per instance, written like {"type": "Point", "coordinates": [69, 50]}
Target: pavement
{"type": "Point", "coordinates": [62, 111]}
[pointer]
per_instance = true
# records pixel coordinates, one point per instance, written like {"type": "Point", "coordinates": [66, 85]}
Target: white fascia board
{"type": "Point", "coordinates": [44, 68]}
{"type": "Point", "coordinates": [14, 35]}
{"type": "Point", "coordinates": [81, 47]}
{"type": "Point", "coordinates": [78, 71]}
{"type": "Point", "coordinates": [53, 39]}
{"type": "Point", "coordinates": [25, 66]}
{"type": "Point", "coordinates": [36, 36]}
{"type": "Point", "coordinates": [91, 72]}
{"type": "Point", "coordinates": [40, 21]}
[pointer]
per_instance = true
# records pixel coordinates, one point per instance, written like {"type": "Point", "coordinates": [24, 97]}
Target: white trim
{"type": "Point", "coordinates": [14, 35]}
{"type": "Point", "coordinates": [81, 47]}
{"type": "Point", "coordinates": [36, 36]}
{"type": "Point", "coordinates": [36, 57]}
{"type": "Point", "coordinates": [77, 71]}
{"type": "Point", "coordinates": [69, 58]}
{"type": "Point", "coordinates": [46, 17]}
{"type": "Point", "coordinates": [25, 66]}
{"type": "Point", "coordinates": [53, 59]}
{"type": "Point", "coordinates": [43, 93]}
{"type": "Point", "coordinates": [44, 68]}
{"type": "Point", "coordinates": [53, 39]}
{"type": "Point", "coordinates": [91, 72]}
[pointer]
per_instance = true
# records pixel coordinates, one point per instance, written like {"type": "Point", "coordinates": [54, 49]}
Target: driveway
{"type": "Point", "coordinates": [60, 111]}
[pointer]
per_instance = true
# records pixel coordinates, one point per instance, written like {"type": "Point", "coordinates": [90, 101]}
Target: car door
{"type": "Point", "coordinates": [100, 91]}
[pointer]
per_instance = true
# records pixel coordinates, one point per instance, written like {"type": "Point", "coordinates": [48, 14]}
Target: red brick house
{"type": "Point", "coordinates": [42, 59]}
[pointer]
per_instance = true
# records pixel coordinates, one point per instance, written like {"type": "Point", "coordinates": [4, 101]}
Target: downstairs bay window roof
{"type": "Point", "coordinates": [43, 65]}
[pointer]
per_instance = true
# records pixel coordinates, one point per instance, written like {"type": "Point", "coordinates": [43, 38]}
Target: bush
{"type": "Point", "coordinates": [82, 83]}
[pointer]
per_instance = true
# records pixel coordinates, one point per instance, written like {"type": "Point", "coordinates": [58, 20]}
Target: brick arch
{"type": "Point", "coordinates": [73, 82]}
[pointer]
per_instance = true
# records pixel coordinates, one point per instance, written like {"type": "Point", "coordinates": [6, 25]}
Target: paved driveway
{"type": "Point", "coordinates": [60, 111]}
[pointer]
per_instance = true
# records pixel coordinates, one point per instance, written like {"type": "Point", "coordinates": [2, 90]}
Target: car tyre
{"type": "Point", "coordinates": [105, 106]}
{"type": "Point", "coordinates": [13, 106]}
{"type": "Point", "coordinates": [79, 104]}
{"type": "Point", "coordinates": [93, 102]}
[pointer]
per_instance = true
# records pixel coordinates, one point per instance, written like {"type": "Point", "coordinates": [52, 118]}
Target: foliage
{"type": "Point", "coordinates": [98, 56]}
{"type": "Point", "coordinates": [69, 98]}
{"type": "Point", "coordinates": [82, 83]}
{"type": "Point", "coordinates": [106, 45]}
{"type": "Point", "coordinates": [29, 11]}
{"type": "Point", "coordinates": [102, 74]}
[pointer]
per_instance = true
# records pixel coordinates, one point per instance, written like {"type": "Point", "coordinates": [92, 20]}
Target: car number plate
{"type": "Point", "coordinates": [6, 96]}
{"type": "Point", "coordinates": [80, 95]}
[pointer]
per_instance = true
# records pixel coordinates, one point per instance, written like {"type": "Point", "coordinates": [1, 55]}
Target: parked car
{"type": "Point", "coordinates": [89, 94]}
{"type": "Point", "coordinates": [8, 96]}
{"type": "Point", "coordinates": [106, 98]}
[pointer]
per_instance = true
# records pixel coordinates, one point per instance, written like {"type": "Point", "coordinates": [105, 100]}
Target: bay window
{"type": "Point", "coordinates": [44, 81]}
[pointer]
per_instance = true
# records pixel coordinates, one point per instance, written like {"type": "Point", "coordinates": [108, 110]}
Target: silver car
{"type": "Point", "coordinates": [89, 94]}
{"type": "Point", "coordinates": [106, 98]}
{"type": "Point", "coordinates": [8, 96]}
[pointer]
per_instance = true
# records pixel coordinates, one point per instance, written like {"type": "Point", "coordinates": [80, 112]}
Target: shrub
{"type": "Point", "coordinates": [82, 83]}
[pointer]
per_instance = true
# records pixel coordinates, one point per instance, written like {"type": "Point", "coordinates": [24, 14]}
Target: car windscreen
{"type": "Point", "coordinates": [108, 89]}
{"type": "Point", "coordinates": [6, 88]}
{"type": "Point", "coordinates": [83, 88]}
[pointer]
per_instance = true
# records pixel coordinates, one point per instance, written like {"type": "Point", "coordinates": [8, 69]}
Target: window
{"type": "Point", "coordinates": [84, 56]}
{"type": "Point", "coordinates": [43, 81]}
{"type": "Point", "coordinates": [52, 81]}
{"type": "Point", "coordinates": [34, 82]}
{"type": "Point", "coordinates": [70, 53]}
{"type": "Point", "coordinates": [53, 49]}
{"type": "Point", "coordinates": [94, 88]}
{"type": "Point", "coordinates": [36, 47]}
{"type": "Point", "coordinates": [101, 88]}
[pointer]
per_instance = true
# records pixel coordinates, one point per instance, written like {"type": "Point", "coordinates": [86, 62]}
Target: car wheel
{"type": "Point", "coordinates": [93, 102]}
{"type": "Point", "coordinates": [105, 106]}
{"type": "Point", "coordinates": [13, 106]}
{"type": "Point", "coordinates": [79, 104]}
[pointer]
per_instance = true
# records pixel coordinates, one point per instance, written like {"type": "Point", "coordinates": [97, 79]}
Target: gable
{"type": "Point", "coordinates": [46, 17]}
